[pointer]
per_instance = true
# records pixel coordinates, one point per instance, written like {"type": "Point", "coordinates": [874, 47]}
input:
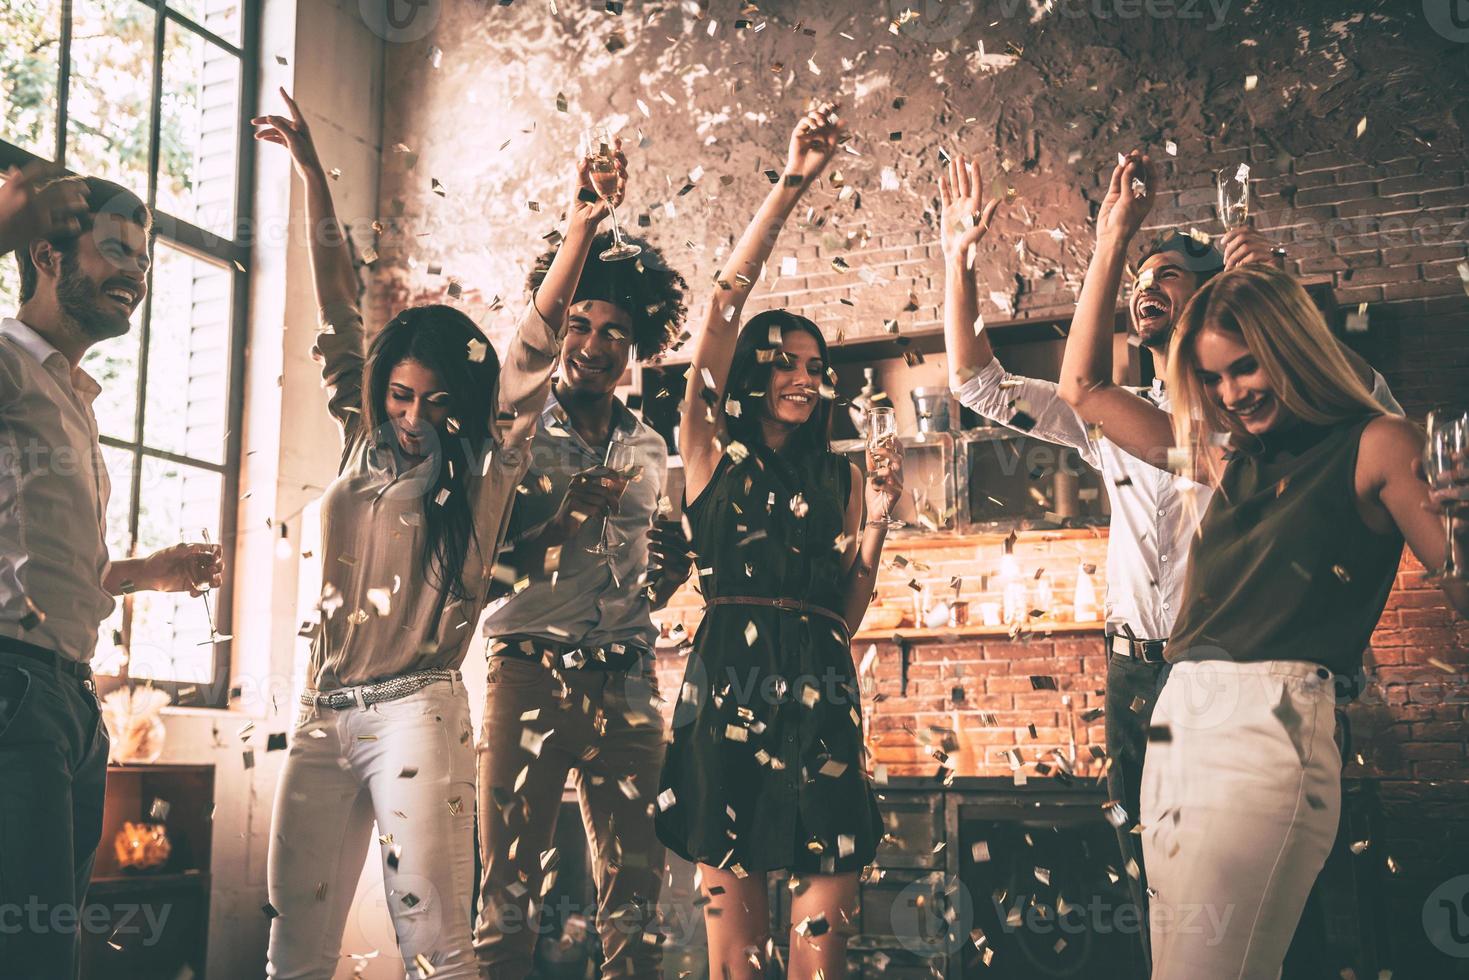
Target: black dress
{"type": "Point", "coordinates": [767, 768]}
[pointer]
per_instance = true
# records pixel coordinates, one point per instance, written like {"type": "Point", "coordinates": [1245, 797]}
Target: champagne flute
{"type": "Point", "coordinates": [599, 147]}
{"type": "Point", "coordinates": [1233, 184]}
{"type": "Point", "coordinates": [622, 463]}
{"type": "Point", "coordinates": [882, 432]}
{"type": "Point", "coordinates": [1447, 448]}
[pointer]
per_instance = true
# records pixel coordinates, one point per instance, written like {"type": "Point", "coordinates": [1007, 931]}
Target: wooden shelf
{"type": "Point", "coordinates": [900, 544]}
{"type": "Point", "coordinates": [1040, 629]}
{"type": "Point", "coordinates": [193, 878]}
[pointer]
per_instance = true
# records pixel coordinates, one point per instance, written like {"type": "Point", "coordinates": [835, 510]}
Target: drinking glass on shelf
{"type": "Point", "coordinates": [1447, 448]}
{"type": "Point", "coordinates": [1233, 184]}
{"type": "Point", "coordinates": [599, 146]}
{"type": "Point", "coordinates": [882, 432]}
{"type": "Point", "coordinates": [622, 466]}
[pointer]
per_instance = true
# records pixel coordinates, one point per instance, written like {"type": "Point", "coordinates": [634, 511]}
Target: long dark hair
{"type": "Point", "coordinates": [749, 379]}
{"type": "Point", "coordinates": [441, 338]}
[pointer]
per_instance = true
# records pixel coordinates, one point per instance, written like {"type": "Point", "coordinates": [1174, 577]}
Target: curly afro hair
{"type": "Point", "coordinates": [646, 287]}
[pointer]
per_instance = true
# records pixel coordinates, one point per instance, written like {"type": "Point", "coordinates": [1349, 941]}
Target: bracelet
{"type": "Point", "coordinates": [877, 522]}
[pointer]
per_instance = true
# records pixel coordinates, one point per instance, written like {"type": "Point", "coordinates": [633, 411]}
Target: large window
{"type": "Point", "coordinates": [152, 94]}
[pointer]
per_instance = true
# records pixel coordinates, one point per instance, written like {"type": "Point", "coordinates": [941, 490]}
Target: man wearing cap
{"type": "Point", "coordinates": [1154, 513]}
{"type": "Point", "coordinates": [82, 245]}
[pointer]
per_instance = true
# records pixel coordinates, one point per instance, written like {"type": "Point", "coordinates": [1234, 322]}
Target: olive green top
{"type": "Point", "coordinates": [1285, 568]}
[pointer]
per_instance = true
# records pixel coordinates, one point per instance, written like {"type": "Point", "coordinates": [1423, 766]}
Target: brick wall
{"type": "Point", "coordinates": [993, 672]}
{"type": "Point", "coordinates": [1352, 119]}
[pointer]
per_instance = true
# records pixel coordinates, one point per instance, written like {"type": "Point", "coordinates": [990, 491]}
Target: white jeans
{"type": "Point", "coordinates": [408, 765]}
{"type": "Point", "coordinates": [1240, 806]}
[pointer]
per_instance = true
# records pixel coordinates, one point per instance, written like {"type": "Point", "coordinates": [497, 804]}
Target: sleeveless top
{"type": "Point", "coordinates": [1285, 568]}
{"type": "Point", "coordinates": [767, 767]}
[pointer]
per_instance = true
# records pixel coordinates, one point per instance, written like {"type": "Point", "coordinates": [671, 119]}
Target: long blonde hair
{"type": "Point", "coordinates": [1308, 371]}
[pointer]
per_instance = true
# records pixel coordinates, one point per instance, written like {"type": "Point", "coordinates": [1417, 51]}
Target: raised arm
{"type": "Point", "coordinates": [525, 376]}
{"type": "Point", "coordinates": [1130, 421]}
{"type": "Point", "coordinates": [340, 344]}
{"type": "Point", "coordinates": [813, 142]}
{"type": "Point", "coordinates": [964, 221]}
{"type": "Point", "coordinates": [331, 259]}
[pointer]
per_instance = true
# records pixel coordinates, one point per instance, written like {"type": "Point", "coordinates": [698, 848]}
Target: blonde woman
{"type": "Point", "coordinates": [1316, 492]}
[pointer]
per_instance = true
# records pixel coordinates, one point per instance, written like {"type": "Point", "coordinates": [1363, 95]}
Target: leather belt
{"type": "Point", "coordinates": [389, 690]}
{"type": "Point", "coordinates": [1148, 651]}
{"type": "Point", "coordinates": [54, 660]}
{"type": "Point", "coordinates": [789, 605]}
{"type": "Point", "coordinates": [567, 656]}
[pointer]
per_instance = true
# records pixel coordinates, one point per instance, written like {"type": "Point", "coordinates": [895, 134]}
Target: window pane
{"type": "Point", "coordinates": [110, 91]}
{"type": "Point", "coordinates": [188, 356]}
{"type": "Point", "coordinates": [120, 472]}
{"type": "Point", "coordinates": [108, 658]}
{"type": "Point", "coordinates": [9, 286]}
{"type": "Point", "coordinates": [220, 16]}
{"type": "Point", "coordinates": [199, 120]}
{"type": "Point", "coordinates": [30, 69]}
{"type": "Point", "coordinates": [170, 631]}
{"type": "Point", "coordinates": [114, 363]}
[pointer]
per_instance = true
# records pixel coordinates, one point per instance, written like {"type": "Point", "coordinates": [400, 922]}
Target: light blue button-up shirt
{"type": "Point", "coordinates": [591, 601]}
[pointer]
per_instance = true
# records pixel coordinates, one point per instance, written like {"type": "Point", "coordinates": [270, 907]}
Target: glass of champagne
{"type": "Point", "coordinates": [1446, 449]}
{"type": "Point", "coordinates": [599, 146]}
{"type": "Point", "coordinates": [1233, 184]}
{"type": "Point", "coordinates": [622, 466]}
{"type": "Point", "coordinates": [882, 433]}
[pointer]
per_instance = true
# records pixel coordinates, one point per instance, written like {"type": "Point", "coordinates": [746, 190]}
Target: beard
{"type": "Point", "coordinates": [1157, 339]}
{"type": "Point", "coordinates": [82, 301]}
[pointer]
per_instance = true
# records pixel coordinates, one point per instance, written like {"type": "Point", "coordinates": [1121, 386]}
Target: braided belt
{"type": "Point", "coordinates": [389, 690]}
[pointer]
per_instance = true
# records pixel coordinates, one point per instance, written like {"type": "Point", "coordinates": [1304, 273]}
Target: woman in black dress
{"type": "Point", "coordinates": [766, 770]}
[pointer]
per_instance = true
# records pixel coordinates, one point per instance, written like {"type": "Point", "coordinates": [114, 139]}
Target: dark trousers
{"type": "Point", "coordinates": [1132, 691]}
{"type": "Point", "coordinates": [53, 771]}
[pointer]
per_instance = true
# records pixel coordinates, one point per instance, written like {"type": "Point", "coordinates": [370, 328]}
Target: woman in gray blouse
{"type": "Point", "coordinates": [410, 528]}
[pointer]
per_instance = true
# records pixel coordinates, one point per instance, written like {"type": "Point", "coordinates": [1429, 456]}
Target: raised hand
{"type": "Point", "coordinates": [30, 208]}
{"type": "Point", "coordinates": [813, 142]}
{"type": "Point", "coordinates": [1126, 205]}
{"type": "Point", "coordinates": [294, 134]}
{"type": "Point", "coordinates": [587, 205]}
{"type": "Point", "coordinates": [1245, 245]}
{"type": "Point", "coordinates": [884, 479]}
{"type": "Point", "coordinates": [965, 218]}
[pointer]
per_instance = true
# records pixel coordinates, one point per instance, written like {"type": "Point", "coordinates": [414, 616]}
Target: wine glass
{"type": "Point", "coordinates": [1447, 448]}
{"type": "Point", "coordinates": [622, 464]}
{"type": "Point", "coordinates": [1233, 184]}
{"type": "Point", "coordinates": [599, 147]}
{"type": "Point", "coordinates": [882, 431]}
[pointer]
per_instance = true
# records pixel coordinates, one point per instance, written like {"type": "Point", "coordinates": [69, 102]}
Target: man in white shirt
{"type": "Point", "coordinates": [82, 245]}
{"type": "Point", "coordinates": [1154, 512]}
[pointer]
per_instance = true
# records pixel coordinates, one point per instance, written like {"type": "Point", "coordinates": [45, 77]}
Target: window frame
{"type": "Point", "coordinates": [232, 254]}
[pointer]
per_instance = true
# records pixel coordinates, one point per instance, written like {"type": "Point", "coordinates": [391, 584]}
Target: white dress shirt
{"type": "Point", "coordinates": [53, 498]}
{"type": "Point", "coordinates": [1155, 513]}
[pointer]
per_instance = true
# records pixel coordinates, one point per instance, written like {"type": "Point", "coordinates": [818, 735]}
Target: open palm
{"type": "Point", "coordinates": [965, 218]}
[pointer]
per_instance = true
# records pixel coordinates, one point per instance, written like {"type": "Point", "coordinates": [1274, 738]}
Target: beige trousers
{"type": "Point", "coordinates": [603, 728]}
